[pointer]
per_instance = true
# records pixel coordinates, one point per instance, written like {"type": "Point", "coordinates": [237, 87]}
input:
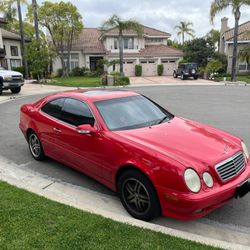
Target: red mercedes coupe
{"type": "Point", "coordinates": [157, 162]}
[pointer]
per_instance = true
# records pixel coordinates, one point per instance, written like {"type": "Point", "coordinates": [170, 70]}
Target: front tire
{"type": "Point", "coordinates": [1, 89]}
{"type": "Point", "coordinates": [35, 146]}
{"type": "Point", "coordinates": [138, 195]}
{"type": "Point", "coordinates": [16, 90]}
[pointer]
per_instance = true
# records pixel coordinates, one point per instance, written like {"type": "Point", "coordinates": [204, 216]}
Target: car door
{"type": "Point", "coordinates": [79, 149]}
{"type": "Point", "coordinates": [48, 122]}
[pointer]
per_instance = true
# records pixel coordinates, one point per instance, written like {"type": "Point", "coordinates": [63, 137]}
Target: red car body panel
{"type": "Point", "coordinates": [162, 152]}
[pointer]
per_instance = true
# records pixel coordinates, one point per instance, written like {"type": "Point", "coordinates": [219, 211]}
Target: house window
{"type": "Point", "coordinates": [244, 66]}
{"type": "Point", "coordinates": [73, 60]}
{"type": "Point", "coordinates": [129, 43]}
{"type": "Point", "coordinates": [14, 50]}
{"type": "Point", "coordinates": [154, 40]}
{"type": "Point", "coordinates": [15, 63]}
{"type": "Point", "coordinates": [115, 43]}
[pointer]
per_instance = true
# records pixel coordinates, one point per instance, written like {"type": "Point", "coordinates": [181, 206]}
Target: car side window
{"type": "Point", "coordinates": [76, 113]}
{"type": "Point", "coordinates": [53, 108]}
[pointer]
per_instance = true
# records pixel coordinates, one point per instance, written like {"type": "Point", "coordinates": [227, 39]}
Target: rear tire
{"type": "Point", "coordinates": [1, 89]}
{"type": "Point", "coordinates": [16, 90]}
{"type": "Point", "coordinates": [175, 75]}
{"type": "Point", "coordinates": [183, 77]}
{"type": "Point", "coordinates": [35, 146]}
{"type": "Point", "coordinates": [138, 195]}
{"type": "Point", "coordinates": [195, 77]}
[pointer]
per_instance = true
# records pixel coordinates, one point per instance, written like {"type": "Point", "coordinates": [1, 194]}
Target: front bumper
{"type": "Point", "coordinates": [187, 206]}
{"type": "Point", "coordinates": [12, 84]}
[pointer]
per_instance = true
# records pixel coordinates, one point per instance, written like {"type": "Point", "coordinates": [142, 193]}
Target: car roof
{"type": "Point", "coordinates": [97, 94]}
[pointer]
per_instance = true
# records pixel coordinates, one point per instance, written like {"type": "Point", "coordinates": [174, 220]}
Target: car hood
{"type": "Point", "coordinates": [188, 142]}
{"type": "Point", "coordinates": [9, 73]}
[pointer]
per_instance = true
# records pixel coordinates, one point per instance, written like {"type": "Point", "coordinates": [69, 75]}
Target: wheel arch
{"type": "Point", "coordinates": [130, 166]}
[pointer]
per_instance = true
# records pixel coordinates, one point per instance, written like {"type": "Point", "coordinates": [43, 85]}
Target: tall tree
{"type": "Point", "coordinates": [219, 5]}
{"type": "Point", "coordinates": [115, 22]}
{"type": "Point", "coordinates": [64, 23]}
{"type": "Point", "coordinates": [34, 6]}
{"type": "Point", "coordinates": [184, 29]}
{"type": "Point", "coordinates": [199, 50]}
{"type": "Point", "coordinates": [6, 4]}
{"type": "Point", "coordinates": [214, 36]}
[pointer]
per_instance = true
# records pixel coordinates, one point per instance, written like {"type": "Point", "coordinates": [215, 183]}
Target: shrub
{"type": "Point", "coordinates": [223, 59]}
{"type": "Point", "coordinates": [115, 73]}
{"type": "Point", "coordinates": [160, 69]}
{"type": "Point", "coordinates": [59, 72]}
{"type": "Point", "coordinates": [78, 71]}
{"type": "Point", "coordinates": [214, 66]}
{"type": "Point", "coordinates": [138, 70]}
{"type": "Point", "coordinates": [121, 80]}
{"type": "Point", "coordinates": [19, 69]}
{"type": "Point", "coordinates": [91, 74]}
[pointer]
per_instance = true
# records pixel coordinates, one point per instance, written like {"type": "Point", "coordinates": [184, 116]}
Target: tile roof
{"type": "Point", "coordinates": [146, 30]}
{"type": "Point", "coordinates": [89, 42]}
{"type": "Point", "coordinates": [10, 35]}
{"type": "Point", "coordinates": [243, 28]}
{"type": "Point", "coordinates": [153, 50]}
{"type": "Point", "coordinates": [160, 50]}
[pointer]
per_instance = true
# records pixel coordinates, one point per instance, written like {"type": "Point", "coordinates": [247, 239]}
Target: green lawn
{"type": "Point", "coordinates": [245, 78]}
{"type": "Point", "coordinates": [76, 81]}
{"type": "Point", "coordinates": [28, 221]}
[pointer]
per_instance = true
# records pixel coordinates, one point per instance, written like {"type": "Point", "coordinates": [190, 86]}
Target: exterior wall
{"type": "Point", "coordinates": [1, 40]}
{"type": "Point", "coordinates": [12, 61]}
{"type": "Point", "coordinates": [229, 53]}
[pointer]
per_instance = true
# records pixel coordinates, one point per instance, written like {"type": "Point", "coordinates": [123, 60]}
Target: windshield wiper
{"type": "Point", "coordinates": [163, 119]}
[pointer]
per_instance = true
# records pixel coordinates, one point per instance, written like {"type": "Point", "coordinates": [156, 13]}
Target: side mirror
{"type": "Point", "coordinates": [86, 129]}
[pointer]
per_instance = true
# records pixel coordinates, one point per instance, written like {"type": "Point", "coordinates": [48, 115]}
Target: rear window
{"type": "Point", "coordinates": [53, 108]}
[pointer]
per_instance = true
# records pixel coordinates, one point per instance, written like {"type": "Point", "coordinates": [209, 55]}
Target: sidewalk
{"type": "Point", "coordinates": [31, 89]}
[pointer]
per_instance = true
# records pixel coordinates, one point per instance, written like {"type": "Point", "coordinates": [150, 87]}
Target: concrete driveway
{"type": "Point", "coordinates": [169, 80]}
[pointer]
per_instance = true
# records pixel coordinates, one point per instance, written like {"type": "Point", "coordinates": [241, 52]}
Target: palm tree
{"type": "Point", "coordinates": [34, 5]}
{"type": "Point", "coordinates": [115, 22]}
{"type": "Point", "coordinates": [219, 5]}
{"type": "Point", "coordinates": [3, 6]}
{"type": "Point", "coordinates": [214, 36]}
{"type": "Point", "coordinates": [184, 28]}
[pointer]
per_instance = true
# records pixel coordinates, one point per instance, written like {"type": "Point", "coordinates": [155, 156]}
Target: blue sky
{"type": "Point", "coordinates": [160, 14]}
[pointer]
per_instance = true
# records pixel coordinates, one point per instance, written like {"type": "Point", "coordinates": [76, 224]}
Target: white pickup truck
{"type": "Point", "coordinates": [12, 80]}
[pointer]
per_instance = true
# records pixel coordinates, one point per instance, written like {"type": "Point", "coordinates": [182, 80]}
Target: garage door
{"type": "Point", "coordinates": [149, 68]}
{"type": "Point", "coordinates": [169, 67]}
{"type": "Point", "coordinates": [129, 68]}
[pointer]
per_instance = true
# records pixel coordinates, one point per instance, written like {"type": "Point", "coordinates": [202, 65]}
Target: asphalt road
{"type": "Point", "coordinates": [224, 107]}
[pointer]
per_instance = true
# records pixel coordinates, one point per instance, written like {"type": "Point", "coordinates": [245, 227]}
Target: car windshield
{"type": "Point", "coordinates": [131, 112]}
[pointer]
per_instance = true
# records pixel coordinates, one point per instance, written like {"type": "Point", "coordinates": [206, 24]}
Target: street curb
{"type": "Point", "coordinates": [90, 201]}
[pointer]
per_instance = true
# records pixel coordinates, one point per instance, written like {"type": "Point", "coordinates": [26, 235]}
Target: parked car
{"type": "Point", "coordinates": [157, 162]}
{"type": "Point", "coordinates": [186, 70]}
{"type": "Point", "coordinates": [12, 80]}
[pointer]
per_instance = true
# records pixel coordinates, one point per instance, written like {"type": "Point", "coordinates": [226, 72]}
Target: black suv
{"type": "Point", "coordinates": [186, 70]}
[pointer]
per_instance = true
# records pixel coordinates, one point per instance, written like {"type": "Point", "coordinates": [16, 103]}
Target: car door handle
{"type": "Point", "coordinates": [57, 130]}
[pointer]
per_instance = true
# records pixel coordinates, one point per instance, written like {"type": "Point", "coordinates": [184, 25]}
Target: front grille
{"type": "Point", "coordinates": [231, 166]}
{"type": "Point", "coordinates": [16, 77]}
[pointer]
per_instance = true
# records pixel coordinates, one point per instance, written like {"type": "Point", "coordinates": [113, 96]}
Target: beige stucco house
{"type": "Point", "coordinates": [149, 50]}
{"type": "Point", "coordinates": [226, 43]}
{"type": "Point", "coordinates": [10, 49]}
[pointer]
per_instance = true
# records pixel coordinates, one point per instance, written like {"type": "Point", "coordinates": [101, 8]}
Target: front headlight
{"type": "Point", "coordinates": [192, 180]}
{"type": "Point", "coordinates": [7, 78]}
{"type": "Point", "coordinates": [244, 147]}
{"type": "Point", "coordinates": [208, 179]}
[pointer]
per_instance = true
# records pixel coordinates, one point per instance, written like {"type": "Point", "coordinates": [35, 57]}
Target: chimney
{"type": "Point", "coordinates": [224, 28]}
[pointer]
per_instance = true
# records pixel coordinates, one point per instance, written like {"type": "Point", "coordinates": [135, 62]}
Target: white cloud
{"type": "Point", "coordinates": [161, 14]}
